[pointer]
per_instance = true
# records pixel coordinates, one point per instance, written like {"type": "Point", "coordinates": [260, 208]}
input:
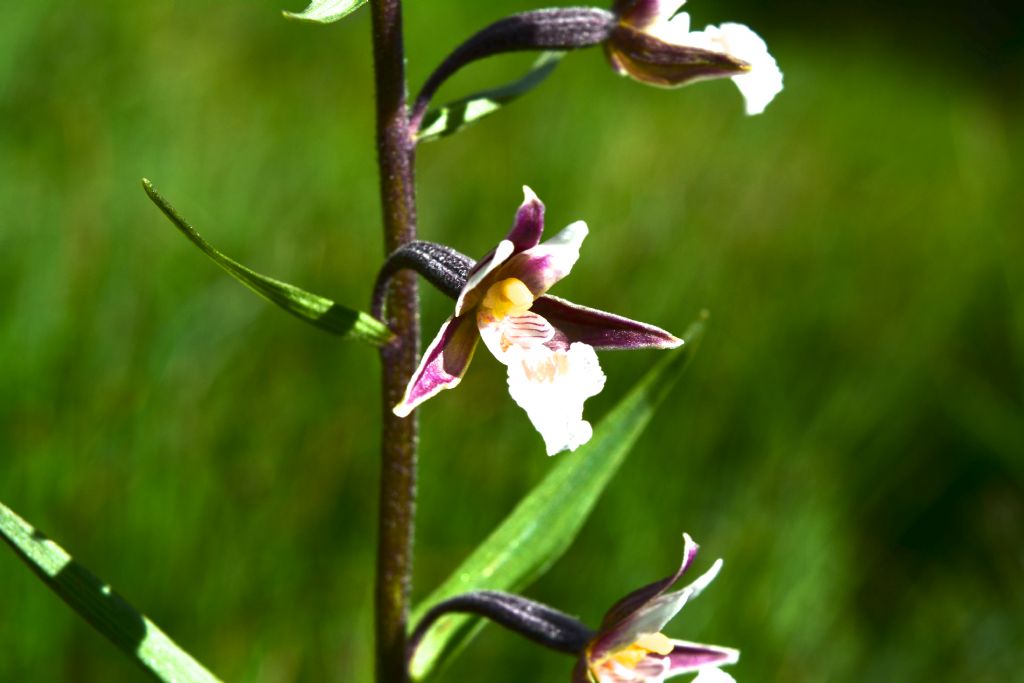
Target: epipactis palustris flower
{"type": "Point", "coordinates": [630, 646]}
{"type": "Point", "coordinates": [653, 44]}
{"type": "Point", "coordinates": [547, 343]}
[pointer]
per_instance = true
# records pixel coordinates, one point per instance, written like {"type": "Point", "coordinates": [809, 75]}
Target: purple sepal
{"type": "Point", "coordinates": [639, 12]}
{"type": "Point", "coordinates": [529, 223]}
{"type": "Point", "coordinates": [651, 60]}
{"type": "Point", "coordinates": [600, 329]}
{"type": "Point", "coordinates": [686, 657]}
{"type": "Point", "coordinates": [443, 364]}
{"type": "Point", "coordinates": [526, 230]}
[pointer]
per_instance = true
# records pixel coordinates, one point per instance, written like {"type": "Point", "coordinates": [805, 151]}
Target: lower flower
{"type": "Point", "coordinates": [628, 648]}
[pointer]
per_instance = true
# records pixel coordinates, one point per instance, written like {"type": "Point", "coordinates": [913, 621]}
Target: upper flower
{"type": "Point", "coordinates": [546, 342]}
{"type": "Point", "coordinates": [630, 646]}
{"type": "Point", "coordinates": [653, 43]}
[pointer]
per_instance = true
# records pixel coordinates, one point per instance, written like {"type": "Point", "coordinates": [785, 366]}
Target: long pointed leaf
{"type": "Point", "coordinates": [326, 11]}
{"type": "Point", "coordinates": [454, 116]}
{"type": "Point", "coordinates": [542, 527]}
{"type": "Point", "coordinates": [104, 609]}
{"type": "Point", "coordinates": [312, 308]}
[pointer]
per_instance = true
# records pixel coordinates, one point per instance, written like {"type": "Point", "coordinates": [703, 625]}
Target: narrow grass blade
{"type": "Point", "coordinates": [454, 116]}
{"type": "Point", "coordinates": [105, 610]}
{"type": "Point", "coordinates": [542, 527]}
{"type": "Point", "coordinates": [326, 11]}
{"type": "Point", "coordinates": [312, 308]}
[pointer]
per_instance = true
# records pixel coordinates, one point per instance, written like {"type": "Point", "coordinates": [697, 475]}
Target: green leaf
{"type": "Point", "coordinates": [326, 11]}
{"type": "Point", "coordinates": [312, 308]}
{"type": "Point", "coordinates": [454, 116]}
{"type": "Point", "coordinates": [104, 609]}
{"type": "Point", "coordinates": [541, 528]}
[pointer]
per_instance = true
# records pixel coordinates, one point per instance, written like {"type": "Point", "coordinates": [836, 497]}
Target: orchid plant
{"type": "Point", "coordinates": [547, 344]}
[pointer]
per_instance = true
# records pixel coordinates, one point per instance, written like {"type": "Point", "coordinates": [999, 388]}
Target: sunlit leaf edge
{"type": "Point", "coordinates": [544, 524]}
{"type": "Point", "coordinates": [98, 604]}
{"type": "Point", "coordinates": [312, 308]}
{"type": "Point", "coordinates": [325, 11]}
{"type": "Point", "coordinates": [454, 116]}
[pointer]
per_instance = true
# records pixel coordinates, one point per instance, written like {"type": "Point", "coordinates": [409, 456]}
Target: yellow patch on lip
{"type": "Point", "coordinates": [507, 297]}
{"type": "Point", "coordinates": [631, 655]}
{"type": "Point", "coordinates": [657, 643]}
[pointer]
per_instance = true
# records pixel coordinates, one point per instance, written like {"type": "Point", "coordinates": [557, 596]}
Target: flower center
{"type": "Point", "coordinates": [508, 297]}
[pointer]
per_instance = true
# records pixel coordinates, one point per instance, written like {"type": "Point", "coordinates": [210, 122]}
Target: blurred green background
{"type": "Point", "coordinates": [850, 437]}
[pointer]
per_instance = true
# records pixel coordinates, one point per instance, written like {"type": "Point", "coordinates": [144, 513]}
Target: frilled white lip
{"type": "Point", "coordinates": [551, 385]}
{"type": "Point", "coordinates": [548, 346]}
{"type": "Point", "coordinates": [663, 20]}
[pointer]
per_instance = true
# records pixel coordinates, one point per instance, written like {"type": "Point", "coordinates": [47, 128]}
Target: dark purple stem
{"type": "Point", "coordinates": [398, 436]}
{"type": "Point", "coordinates": [533, 620]}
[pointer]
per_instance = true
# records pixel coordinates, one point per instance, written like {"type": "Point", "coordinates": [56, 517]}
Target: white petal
{"type": "Point", "coordinates": [500, 255]}
{"type": "Point", "coordinates": [674, 30]}
{"type": "Point", "coordinates": [551, 386]}
{"type": "Point", "coordinates": [548, 262]}
{"type": "Point", "coordinates": [529, 195]}
{"type": "Point", "coordinates": [713, 674]}
{"type": "Point", "coordinates": [571, 235]}
{"type": "Point", "coordinates": [702, 581]}
{"type": "Point", "coordinates": [648, 14]}
{"type": "Point", "coordinates": [763, 82]}
{"type": "Point", "coordinates": [667, 9]}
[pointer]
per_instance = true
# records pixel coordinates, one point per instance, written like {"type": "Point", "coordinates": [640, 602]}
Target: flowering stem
{"type": "Point", "coordinates": [398, 436]}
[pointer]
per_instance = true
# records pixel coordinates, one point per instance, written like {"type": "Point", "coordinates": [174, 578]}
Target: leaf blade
{"type": "Point", "coordinates": [450, 118]}
{"type": "Point", "coordinates": [543, 525]}
{"type": "Point", "coordinates": [325, 11]}
{"type": "Point", "coordinates": [311, 308]}
{"type": "Point", "coordinates": [98, 604]}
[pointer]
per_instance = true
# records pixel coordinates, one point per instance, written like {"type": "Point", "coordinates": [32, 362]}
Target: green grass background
{"type": "Point", "coordinates": [850, 437]}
